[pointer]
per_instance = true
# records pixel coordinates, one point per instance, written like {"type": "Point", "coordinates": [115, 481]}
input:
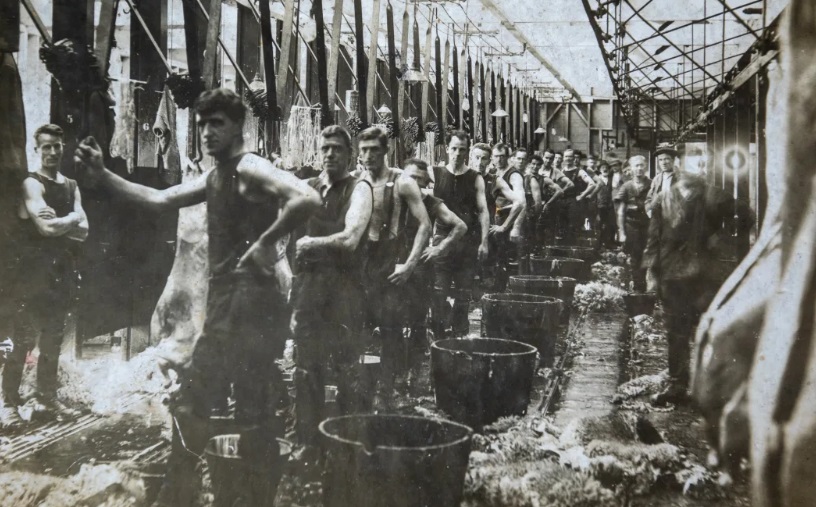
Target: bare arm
{"type": "Point", "coordinates": [297, 199]}
{"type": "Point", "coordinates": [412, 197]}
{"type": "Point", "coordinates": [557, 192]}
{"type": "Point", "coordinates": [519, 202]}
{"type": "Point", "coordinates": [89, 154]}
{"type": "Point", "coordinates": [80, 232]}
{"type": "Point", "coordinates": [357, 217]}
{"type": "Point", "coordinates": [535, 189]}
{"type": "Point", "coordinates": [484, 216]}
{"type": "Point", "coordinates": [457, 226]}
{"type": "Point", "coordinates": [34, 204]}
{"type": "Point", "coordinates": [653, 190]}
{"type": "Point", "coordinates": [621, 214]}
{"type": "Point", "coordinates": [565, 183]}
{"type": "Point", "coordinates": [591, 185]}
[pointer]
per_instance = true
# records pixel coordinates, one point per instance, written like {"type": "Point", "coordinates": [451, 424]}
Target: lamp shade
{"type": "Point", "coordinates": [413, 76]}
{"type": "Point", "coordinates": [500, 113]}
{"type": "Point", "coordinates": [540, 130]}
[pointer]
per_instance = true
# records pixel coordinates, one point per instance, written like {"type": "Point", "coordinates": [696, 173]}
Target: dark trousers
{"type": "Point", "coordinates": [328, 317]}
{"type": "Point", "coordinates": [43, 298]}
{"type": "Point", "coordinates": [454, 273]}
{"type": "Point", "coordinates": [606, 226]}
{"type": "Point", "coordinates": [245, 331]}
{"type": "Point", "coordinates": [385, 305]}
{"type": "Point", "coordinates": [636, 236]}
{"type": "Point", "coordinates": [684, 301]}
{"type": "Point", "coordinates": [573, 216]}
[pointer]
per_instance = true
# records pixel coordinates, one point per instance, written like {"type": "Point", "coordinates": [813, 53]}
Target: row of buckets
{"type": "Point", "coordinates": [375, 460]}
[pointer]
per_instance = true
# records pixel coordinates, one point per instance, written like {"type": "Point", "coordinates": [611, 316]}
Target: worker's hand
{"type": "Point", "coordinates": [431, 253]}
{"type": "Point", "coordinates": [544, 208]}
{"type": "Point", "coordinates": [260, 258]}
{"type": "Point", "coordinates": [401, 274]}
{"type": "Point", "coordinates": [622, 237]}
{"type": "Point", "coordinates": [303, 248]}
{"type": "Point", "coordinates": [578, 198]}
{"type": "Point", "coordinates": [515, 235]}
{"type": "Point", "coordinates": [89, 154]}
{"type": "Point", "coordinates": [47, 213]}
{"type": "Point", "coordinates": [497, 229]}
{"type": "Point", "coordinates": [483, 252]}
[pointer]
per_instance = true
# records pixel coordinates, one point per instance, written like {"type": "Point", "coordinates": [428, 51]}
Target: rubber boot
{"type": "Point", "coordinates": [182, 482]}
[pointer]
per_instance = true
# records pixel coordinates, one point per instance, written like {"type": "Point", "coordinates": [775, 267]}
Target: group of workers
{"type": "Point", "coordinates": [375, 249]}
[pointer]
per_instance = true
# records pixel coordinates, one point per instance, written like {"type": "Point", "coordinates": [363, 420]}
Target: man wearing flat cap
{"type": "Point", "coordinates": [666, 177]}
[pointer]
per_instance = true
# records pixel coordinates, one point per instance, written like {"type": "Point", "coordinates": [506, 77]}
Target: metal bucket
{"type": "Point", "coordinates": [394, 460]}
{"type": "Point", "coordinates": [237, 481]}
{"type": "Point", "coordinates": [526, 318]}
{"type": "Point", "coordinates": [478, 380]}
{"type": "Point", "coordinates": [639, 303]}
{"type": "Point", "coordinates": [585, 253]}
{"type": "Point", "coordinates": [561, 266]}
{"type": "Point", "coordinates": [559, 287]}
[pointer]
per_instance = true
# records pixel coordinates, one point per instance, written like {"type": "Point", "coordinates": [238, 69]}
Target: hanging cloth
{"type": "Point", "coordinates": [362, 110]}
{"type": "Point", "coordinates": [420, 111]}
{"type": "Point", "coordinates": [440, 119]}
{"type": "Point", "coordinates": [167, 153]}
{"type": "Point", "coordinates": [392, 73]}
{"type": "Point", "coordinates": [269, 63]}
{"type": "Point", "coordinates": [13, 162]}
{"type": "Point", "coordinates": [326, 116]}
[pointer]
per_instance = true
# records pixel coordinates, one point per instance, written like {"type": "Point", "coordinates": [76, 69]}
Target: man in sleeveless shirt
{"type": "Point", "coordinates": [251, 206]}
{"type": "Point", "coordinates": [463, 191]}
{"type": "Point", "coordinates": [510, 208]}
{"type": "Point", "coordinates": [52, 223]}
{"type": "Point", "coordinates": [575, 209]}
{"type": "Point", "coordinates": [550, 194]}
{"type": "Point", "coordinates": [328, 293]}
{"type": "Point", "coordinates": [386, 269]}
{"type": "Point", "coordinates": [421, 285]}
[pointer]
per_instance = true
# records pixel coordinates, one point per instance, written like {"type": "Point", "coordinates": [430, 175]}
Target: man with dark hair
{"type": "Point", "coordinates": [545, 225]}
{"type": "Point", "coordinates": [480, 162]}
{"type": "Point", "coordinates": [575, 209]}
{"type": "Point", "coordinates": [558, 157]}
{"type": "Point", "coordinates": [386, 269]}
{"type": "Point", "coordinates": [510, 207]}
{"type": "Point", "coordinates": [420, 286]}
{"type": "Point", "coordinates": [462, 189]}
{"type": "Point", "coordinates": [328, 294]}
{"type": "Point", "coordinates": [251, 207]}
{"type": "Point", "coordinates": [52, 222]}
{"type": "Point", "coordinates": [604, 206]}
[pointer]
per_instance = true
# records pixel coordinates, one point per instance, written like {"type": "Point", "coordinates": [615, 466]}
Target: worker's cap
{"type": "Point", "coordinates": [666, 149]}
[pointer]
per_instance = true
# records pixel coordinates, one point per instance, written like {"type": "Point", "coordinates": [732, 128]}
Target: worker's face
{"type": "Point", "coordinates": [557, 160]}
{"type": "Point", "coordinates": [335, 155]}
{"type": "Point", "coordinates": [665, 162]}
{"type": "Point", "coordinates": [605, 170]}
{"type": "Point", "coordinates": [457, 151]}
{"type": "Point", "coordinates": [591, 163]}
{"type": "Point", "coordinates": [372, 154]}
{"type": "Point", "coordinates": [548, 157]}
{"type": "Point", "coordinates": [534, 166]}
{"type": "Point", "coordinates": [569, 158]}
{"type": "Point", "coordinates": [421, 177]}
{"type": "Point", "coordinates": [480, 159]}
{"type": "Point", "coordinates": [638, 168]}
{"type": "Point", "coordinates": [218, 133]}
{"type": "Point", "coordinates": [50, 149]}
{"type": "Point", "coordinates": [499, 158]}
{"type": "Point", "coordinates": [519, 159]}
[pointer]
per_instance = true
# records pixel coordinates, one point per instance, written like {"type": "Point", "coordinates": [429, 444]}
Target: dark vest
{"type": "Point", "coordinates": [579, 184]}
{"type": "Point", "coordinates": [331, 219]}
{"type": "Point", "coordinates": [233, 222]}
{"type": "Point", "coordinates": [60, 198]}
{"type": "Point", "coordinates": [458, 192]}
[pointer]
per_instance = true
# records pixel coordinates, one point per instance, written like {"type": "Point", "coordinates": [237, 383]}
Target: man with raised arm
{"type": "Point", "coordinates": [251, 206]}
{"type": "Point", "coordinates": [462, 189]}
{"type": "Point", "coordinates": [386, 270]}
{"type": "Point", "coordinates": [328, 293]}
{"type": "Point", "coordinates": [52, 222]}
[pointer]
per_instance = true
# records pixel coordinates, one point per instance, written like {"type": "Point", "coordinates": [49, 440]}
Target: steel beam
{"type": "Point", "coordinates": [507, 24]}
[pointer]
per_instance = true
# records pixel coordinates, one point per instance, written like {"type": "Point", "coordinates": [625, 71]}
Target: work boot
{"type": "Point", "coordinates": [675, 394]}
{"type": "Point", "coordinates": [49, 407]}
{"type": "Point", "coordinates": [10, 418]}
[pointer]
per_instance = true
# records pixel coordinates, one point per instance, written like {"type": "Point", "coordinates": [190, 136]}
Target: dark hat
{"type": "Point", "coordinates": [666, 149]}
